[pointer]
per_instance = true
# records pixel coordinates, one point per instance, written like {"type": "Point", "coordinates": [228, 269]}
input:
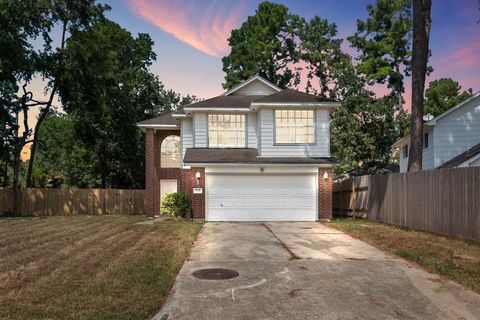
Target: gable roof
{"type": "Point", "coordinates": [461, 104]}
{"type": "Point", "coordinates": [224, 102]}
{"type": "Point", "coordinates": [461, 158]}
{"type": "Point", "coordinates": [290, 95]}
{"type": "Point", "coordinates": [163, 121]}
{"type": "Point", "coordinates": [250, 80]}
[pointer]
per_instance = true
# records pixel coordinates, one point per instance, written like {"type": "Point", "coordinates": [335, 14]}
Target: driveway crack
{"type": "Point", "coordinates": [293, 256]}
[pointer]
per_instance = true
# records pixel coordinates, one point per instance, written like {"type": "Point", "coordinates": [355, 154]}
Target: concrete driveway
{"type": "Point", "coordinates": [300, 270]}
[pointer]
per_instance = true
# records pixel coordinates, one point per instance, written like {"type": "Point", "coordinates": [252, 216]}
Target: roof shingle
{"type": "Point", "coordinates": [246, 155]}
{"type": "Point", "coordinates": [165, 119]}
{"type": "Point", "coordinates": [225, 102]}
{"type": "Point", "coordinates": [289, 95]}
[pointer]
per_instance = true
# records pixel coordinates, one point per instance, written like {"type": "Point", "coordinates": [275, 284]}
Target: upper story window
{"type": "Point", "coordinates": [294, 126]}
{"type": "Point", "coordinates": [226, 130]}
{"type": "Point", "coordinates": [170, 152]}
{"type": "Point", "coordinates": [405, 151]}
{"type": "Point", "coordinates": [425, 140]}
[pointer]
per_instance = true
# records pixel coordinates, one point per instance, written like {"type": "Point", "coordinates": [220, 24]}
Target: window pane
{"type": "Point", "coordinates": [170, 152]}
{"type": "Point", "coordinates": [294, 126]}
{"type": "Point", "coordinates": [226, 130]}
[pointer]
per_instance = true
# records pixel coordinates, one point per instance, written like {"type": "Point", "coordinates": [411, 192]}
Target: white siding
{"type": "Point", "coordinates": [186, 134]}
{"type": "Point", "coordinates": [427, 154]}
{"type": "Point", "coordinates": [457, 132]}
{"type": "Point", "coordinates": [321, 148]}
{"type": "Point", "coordinates": [403, 161]}
{"type": "Point", "coordinates": [200, 129]}
{"type": "Point", "coordinates": [252, 141]}
{"type": "Point", "coordinates": [255, 87]}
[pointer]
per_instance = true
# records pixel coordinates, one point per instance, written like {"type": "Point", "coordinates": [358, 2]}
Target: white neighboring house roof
{"type": "Point", "coordinates": [433, 122]}
{"type": "Point", "coordinates": [246, 82]}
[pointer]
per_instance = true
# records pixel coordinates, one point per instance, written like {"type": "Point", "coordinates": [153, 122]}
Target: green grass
{"type": "Point", "coordinates": [454, 259]}
{"type": "Point", "coordinates": [89, 267]}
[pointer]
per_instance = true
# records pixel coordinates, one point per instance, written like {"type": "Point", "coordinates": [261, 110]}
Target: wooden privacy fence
{"type": "Point", "coordinates": [53, 202]}
{"type": "Point", "coordinates": [441, 201]}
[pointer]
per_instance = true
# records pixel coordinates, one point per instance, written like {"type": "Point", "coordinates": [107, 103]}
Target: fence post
{"type": "Point", "coordinates": [341, 198]}
{"type": "Point", "coordinates": [354, 198]}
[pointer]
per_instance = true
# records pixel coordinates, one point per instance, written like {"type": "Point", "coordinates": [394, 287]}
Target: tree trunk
{"type": "Point", "coordinates": [5, 174]}
{"type": "Point", "coordinates": [44, 113]}
{"type": "Point", "coordinates": [421, 34]}
{"type": "Point", "coordinates": [16, 181]}
{"type": "Point", "coordinates": [33, 149]}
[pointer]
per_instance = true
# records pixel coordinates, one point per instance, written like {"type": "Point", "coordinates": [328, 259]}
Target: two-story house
{"type": "Point", "coordinates": [254, 153]}
{"type": "Point", "coordinates": [451, 139]}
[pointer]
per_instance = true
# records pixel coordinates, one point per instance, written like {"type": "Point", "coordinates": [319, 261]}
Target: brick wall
{"type": "Point", "coordinates": [186, 179]}
{"type": "Point", "coordinates": [152, 184]}
{"type": "Point", "coordinates": [188, 182]}
{"type": "Point", "coordinates": [325, 193]}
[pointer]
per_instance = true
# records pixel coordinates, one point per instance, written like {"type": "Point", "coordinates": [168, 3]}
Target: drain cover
{"type": "Point", "coordinates": [305, 228]}
{"type": "Point", "coordinates": [215, 274]}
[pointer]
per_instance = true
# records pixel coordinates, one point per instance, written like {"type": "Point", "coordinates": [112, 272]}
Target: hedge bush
{"type": "Point", "coordinates": [176, 204]}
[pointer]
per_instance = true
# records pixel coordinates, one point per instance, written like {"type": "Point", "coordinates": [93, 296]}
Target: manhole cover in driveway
{"type": "Point", "coordinates": [215, 274]}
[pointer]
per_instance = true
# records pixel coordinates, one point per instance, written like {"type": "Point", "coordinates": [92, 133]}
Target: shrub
{"type": "Point", "coordinates": [176, 204]}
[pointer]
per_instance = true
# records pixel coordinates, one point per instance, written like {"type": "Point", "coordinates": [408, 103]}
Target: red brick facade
{"type": "Point", "coordinates": [187, 181]}
{"type": "Point", "coordinates": [154, 173]}
{"type": "Point", "coordinates": [325, 193]}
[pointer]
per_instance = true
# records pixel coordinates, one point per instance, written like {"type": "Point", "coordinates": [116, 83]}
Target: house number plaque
{"type": "Point", "coordinates": [197, 190]}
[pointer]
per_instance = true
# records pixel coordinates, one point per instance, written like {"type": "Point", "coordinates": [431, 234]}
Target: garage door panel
{"type": "Point", "coordinates": [261, 197]}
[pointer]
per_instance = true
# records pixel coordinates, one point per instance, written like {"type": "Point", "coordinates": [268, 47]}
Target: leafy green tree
{"type": "Point", "coordinates": [264, 45]}
{"type": "Point", "coordinates": [8, 127]}
{"type": "Point", "coordinates": [62, 158]}
{"type": "Point", "coordinates": [173, 101]}
{"type": "Point", "coordinates": [384, 41]}
{"type": "Point", "coordinates": [321, 51]}
{"type": "Point", "coordinates": [23, 24]}
{"type": "Point", "coordinates": [363, 131]}
{"type": "Point", "coordinates": [281, 46]}
{"type": "Point", "coordinates": [442, 94]}
{"type": "Point", "coordinates": [107, 88]}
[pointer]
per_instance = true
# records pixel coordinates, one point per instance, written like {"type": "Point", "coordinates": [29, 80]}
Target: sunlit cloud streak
{"type": "Point", "coordinates": [204, 27]}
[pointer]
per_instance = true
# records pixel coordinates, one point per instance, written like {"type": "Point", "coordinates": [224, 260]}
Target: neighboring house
{"type": "Point", "coordinates": [254, 153]}
{"type": "Point", "coordinates": [452, 139]}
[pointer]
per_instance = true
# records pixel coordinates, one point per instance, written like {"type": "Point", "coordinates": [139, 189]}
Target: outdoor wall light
{"type": "Point", "coordinates": [197, 175]}
{"type": "Point", "coordinates": [325, 176]}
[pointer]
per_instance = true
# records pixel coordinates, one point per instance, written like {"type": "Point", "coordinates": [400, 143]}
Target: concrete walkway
{"type": "Point", "coordinates": [304, 270]}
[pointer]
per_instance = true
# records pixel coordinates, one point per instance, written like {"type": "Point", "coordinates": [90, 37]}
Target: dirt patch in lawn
{"type": "Point", "coordinates": [454, 259]}
{"type": "Point", "coordinates": [89, 267]}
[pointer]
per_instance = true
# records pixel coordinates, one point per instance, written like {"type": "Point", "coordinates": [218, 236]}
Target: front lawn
{"type": "Point", "coordinates": [89, 267]}
{"type": "Point", "coordinates": [456, 260]}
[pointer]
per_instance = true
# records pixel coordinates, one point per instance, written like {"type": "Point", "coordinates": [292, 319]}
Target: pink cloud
{"type": "Point", "coordinates": [463, 58]}
{"type": "Point", "coordinates": [204, 29]}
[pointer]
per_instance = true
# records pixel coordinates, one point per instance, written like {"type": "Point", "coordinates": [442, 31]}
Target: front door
{"type": "Point", "coordinates": [167, 186]}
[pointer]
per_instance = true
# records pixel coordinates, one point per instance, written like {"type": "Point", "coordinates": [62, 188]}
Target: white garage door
{"type": "Point", "coordinates": [261, 197]}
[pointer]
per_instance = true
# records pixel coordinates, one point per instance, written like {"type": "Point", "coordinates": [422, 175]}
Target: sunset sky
{"type": "Point", "coordinates": [191, 36]}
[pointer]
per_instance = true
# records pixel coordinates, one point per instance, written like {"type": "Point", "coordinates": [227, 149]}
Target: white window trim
{"type": "Point", "coordinates": [314, 119]}
{"type": "Point", "coordinates": [228, 146]}
{"type": "Point", "coordinates": [170, 164]}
